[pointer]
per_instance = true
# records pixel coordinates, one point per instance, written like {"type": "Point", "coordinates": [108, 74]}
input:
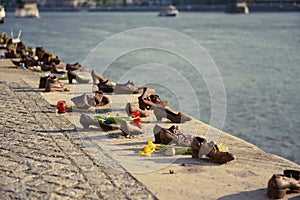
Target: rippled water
{"type": "Point", "coordinates": [256, 54]}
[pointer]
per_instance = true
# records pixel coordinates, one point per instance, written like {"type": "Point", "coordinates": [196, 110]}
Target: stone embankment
{"type": "Point", "coordinates": [45, 155]}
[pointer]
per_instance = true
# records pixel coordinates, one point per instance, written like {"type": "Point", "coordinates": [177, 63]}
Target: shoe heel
{"type": "Point", "coordinates": [142, 105]}
{"type": "Point", "coordinates": [158, 118]}
{"type": "Point", "coordinates": [159, 113]}
{"type": "Point", "coordinates": [195, 153]}
{"type": "Point", "coordinates": [70, 77]}
{"type": "Point", "coordinates": [275, 193]}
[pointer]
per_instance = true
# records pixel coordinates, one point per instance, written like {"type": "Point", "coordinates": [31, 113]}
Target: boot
{"type": "Point", "coordinates": [72, 75]}
{"type": "Point", "coordinates": [130, 129]}
{"type": "Point", "coordinates": [279, 185]}
{"type": "Point", "coordinates": [161, 112]}
{"type": "Point", "coordinates": [201, 148]}
{"type": "Point", "coordinates": [131, 109]}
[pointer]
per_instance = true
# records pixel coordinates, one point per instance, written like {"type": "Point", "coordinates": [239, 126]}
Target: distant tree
{"type": "Point", "coordinates": [103, 3]}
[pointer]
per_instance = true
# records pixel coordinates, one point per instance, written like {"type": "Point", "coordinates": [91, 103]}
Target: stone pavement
{"type": "Point", "coordinates": [42, 156]}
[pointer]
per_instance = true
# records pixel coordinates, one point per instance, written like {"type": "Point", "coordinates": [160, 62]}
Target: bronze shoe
{"type": "Point", "coordinates": [73, 67]}
{"type": "Point", "coordinates": [200, 147]}
{"type": "Point", "coordinates": [171, 136]}
{"type": "Point", "coordinates": [127, 88]}
{"type": "Point", "coordinates": [53, 84]}
{"type": "Point", "coordinates": [100, 99]}
{"type": "Point", "coordinates": [83, 101]}
{"type": "Point", "coordinates": [279, 185]}
{"type": "Point", "coordinates": [131, 109]}
{"type": "Point", "coordinates": [148, 100]}
{"type": "Point", "coordinates": [130, 129]}
{"type": "Point", "coordinates": [86, 121]}
{"type": "Point", "coordinates": [161, 112]}
{"type": "Point", "coordinates": [72, 75]}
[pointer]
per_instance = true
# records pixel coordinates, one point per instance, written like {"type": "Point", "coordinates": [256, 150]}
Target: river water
{"type": "Point", "coordinates": [257, 57]}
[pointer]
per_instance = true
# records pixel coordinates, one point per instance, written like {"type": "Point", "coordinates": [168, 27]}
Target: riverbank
{"type": "Point", "coordinates": [253, 7]}
{"type": "Point", "coordinates": [243, 178]}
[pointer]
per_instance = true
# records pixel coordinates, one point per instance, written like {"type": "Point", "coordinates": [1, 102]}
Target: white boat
{"type": "Point", "coordinates": [2, 14]}
{"type": "Point", "coordinates": [170, 11]}
{"type": "Point", "coordinates": [27, 10]}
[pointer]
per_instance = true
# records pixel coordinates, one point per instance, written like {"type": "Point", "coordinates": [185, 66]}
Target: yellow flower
{"type": "Point", "coordinates": [222, 148]}
{"type": "Point", "coordinates": [148, 150]}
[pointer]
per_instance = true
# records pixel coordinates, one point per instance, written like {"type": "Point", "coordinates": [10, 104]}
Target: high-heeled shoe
{"type": "Point", "coordinates": [55, 70]}
{"type": "Point", "coordinates": [97, 78]}
{"type": "Point", "coordinates": [131, 109]}
{"type": "Point", "coordinates": [161, 112]}
{"type": "Point", "coordinates": [147, 100]}
{"type": "Point", "coordinates": [72, 75]}
{"type": "Point", "coordinates": [155, 99]}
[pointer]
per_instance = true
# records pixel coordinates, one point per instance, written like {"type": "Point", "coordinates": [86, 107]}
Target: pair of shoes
{"type": "Point", "coordinates": [128, 128]}
{"type": "Point", "coordinates": [161, 112]}
{"type": "Point", "coordinates": [53, 84]}
{"type": "Point", "coordinates": [148, 99]}
{"type": "Point", "coordinates": [85, 101]}
{"type": "Point", "coordinates": [171, 135]}
{"type": "Point", "coordinates": [200, 147]}
{"type": "Point", "coordinates": [86, 121]}
{"type": "Point", "coordinates": [281, 184]}
{"type": "Point", "coordinates": [130, 109]}
{"type": "Point", "coordinates": [72, 75]}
